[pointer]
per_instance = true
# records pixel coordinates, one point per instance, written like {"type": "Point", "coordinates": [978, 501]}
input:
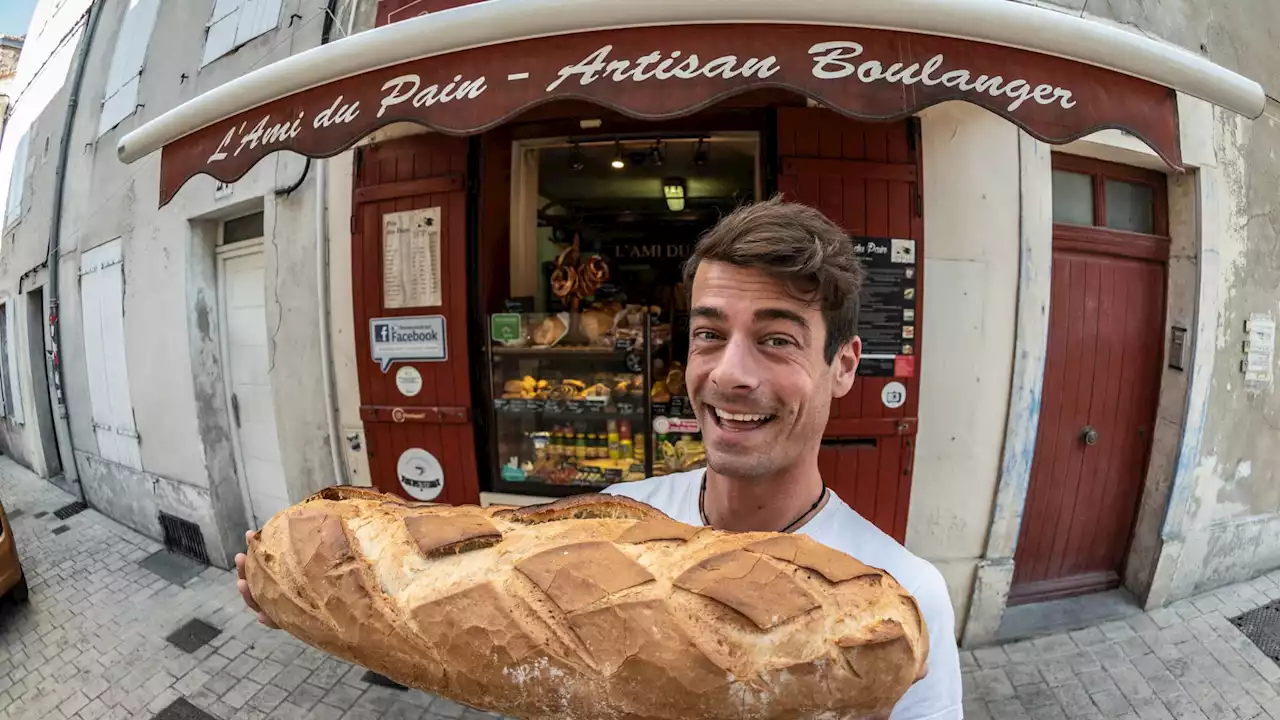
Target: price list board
{"type": "Point", "coordinates": [887, 318]}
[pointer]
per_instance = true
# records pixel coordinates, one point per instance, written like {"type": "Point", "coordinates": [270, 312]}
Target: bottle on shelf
{"type": "Point", "coordinates": [615, 441]}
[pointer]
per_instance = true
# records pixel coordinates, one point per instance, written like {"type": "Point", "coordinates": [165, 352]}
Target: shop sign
{"type": "Point", "coordinates": [505, 327]}
{"type": "Point", "coordinates": [420, 474]}
{"type": "Point", "coordinates": [663, 425]}
{"type": "Point", "coordinates": [887, 320]}
{"type": "Point", "coordinates": [407, 339]}
{"type": "Point", "coordinates": [667, 72]}
{"type": "Point", "coordinates": [894, 395]}
{"type": "Point", "coordinates": [409, 381]}
{"type": "Point", "coordinates": [411, 259]}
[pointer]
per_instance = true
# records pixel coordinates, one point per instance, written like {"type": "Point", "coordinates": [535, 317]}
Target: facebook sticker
{"type": "Point", "coordinates": [407, 339]}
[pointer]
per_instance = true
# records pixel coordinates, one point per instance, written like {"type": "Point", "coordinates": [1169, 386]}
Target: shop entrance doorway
{"type": "Point", "coordinates": [409, 266]}
{"type": "Point", "coordinates": [866, 177]}
{"type": "Point", "coordinates": [1101, 379]}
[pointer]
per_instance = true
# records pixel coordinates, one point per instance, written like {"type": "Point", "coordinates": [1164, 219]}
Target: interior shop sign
{"type": "Point", "coordinates": [667, 72]}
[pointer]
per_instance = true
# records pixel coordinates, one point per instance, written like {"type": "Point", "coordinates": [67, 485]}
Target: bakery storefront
{"type": "Point", "coordinates": [519, 183]}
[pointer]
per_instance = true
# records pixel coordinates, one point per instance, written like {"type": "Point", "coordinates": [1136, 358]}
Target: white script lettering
{"type": "Point", "coordinates": [653, 65]}
{"type": "Point", "coordinates": [406, 89]}
{"type": "Point", "coordinates": [834, 60]}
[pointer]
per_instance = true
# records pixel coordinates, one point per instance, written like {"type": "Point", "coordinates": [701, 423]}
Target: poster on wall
{"type": "Point", "coordinates": [887, 320]}
{"type": "Point", "coordinates": [411, 259]}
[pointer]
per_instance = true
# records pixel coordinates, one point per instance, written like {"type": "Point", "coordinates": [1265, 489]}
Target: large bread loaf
{"type": "Point", "coordinates": [592, 607]}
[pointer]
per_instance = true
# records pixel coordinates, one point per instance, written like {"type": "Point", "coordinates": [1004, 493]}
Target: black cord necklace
{"type": "Point", "coordinates": [702, 507]}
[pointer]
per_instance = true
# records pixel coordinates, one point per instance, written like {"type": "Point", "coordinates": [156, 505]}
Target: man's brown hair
{"type": "Point", "coordinates": [800, 248]}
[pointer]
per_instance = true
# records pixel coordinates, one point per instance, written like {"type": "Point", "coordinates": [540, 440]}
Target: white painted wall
{"type": "Point", "coordinates": [971, 245]}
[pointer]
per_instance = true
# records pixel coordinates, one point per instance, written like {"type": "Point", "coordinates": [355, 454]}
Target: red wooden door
{"type": "Point", "coordinates": [425, 171]}
{"type": "Point", "coordinates": [1098, 407]}
{"type": "Point", "coordinates": [866, 178]}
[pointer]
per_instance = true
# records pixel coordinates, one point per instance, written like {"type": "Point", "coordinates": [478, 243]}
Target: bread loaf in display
{"type": "Point", "coordinates": [596, 606]}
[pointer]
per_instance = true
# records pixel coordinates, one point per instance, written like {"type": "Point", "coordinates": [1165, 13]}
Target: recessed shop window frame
{"type": "Point", "coordinates": [1151, 246]}
{"type": "Point", "coordinates": [524, 189]}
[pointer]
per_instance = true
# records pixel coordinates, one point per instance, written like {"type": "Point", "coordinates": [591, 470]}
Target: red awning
{"type": "Point", "coordinates": [671, 70]}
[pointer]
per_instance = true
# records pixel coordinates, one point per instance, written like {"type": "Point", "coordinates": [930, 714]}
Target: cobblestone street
{"type": "Point", "coordinates": [91, 643]}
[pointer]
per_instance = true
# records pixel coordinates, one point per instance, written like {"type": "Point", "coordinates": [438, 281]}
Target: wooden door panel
{"type": "Point", "coordinates": [1102, 372]}
{"type": "Point", "coordinates": [865, 178]}
{"type": "Point", "coordinates": [870, 476]}
{"type": "Point", "coordinates": [412, 174]}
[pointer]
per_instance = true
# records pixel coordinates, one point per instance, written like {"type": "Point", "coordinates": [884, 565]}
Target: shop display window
{"type": "Point", "coordinates": [587, 359]}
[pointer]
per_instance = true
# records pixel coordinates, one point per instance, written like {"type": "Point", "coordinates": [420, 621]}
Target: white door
{"type": "Point", "coordinates": [244, 343]}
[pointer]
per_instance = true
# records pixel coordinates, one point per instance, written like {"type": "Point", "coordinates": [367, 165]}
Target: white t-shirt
{"type": "Point", "coordinates": [939, 695]}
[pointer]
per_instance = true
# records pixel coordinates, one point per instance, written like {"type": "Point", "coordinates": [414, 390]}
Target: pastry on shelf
{"type": "Point", "coordinates": [550, 330]}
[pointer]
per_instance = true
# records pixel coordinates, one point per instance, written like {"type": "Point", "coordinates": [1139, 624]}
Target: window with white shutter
{"type": "Point", "coordinates": [14, 388]}
{"type": "Point", "coordinates": [130, 54]}
{"type": "Point", "coordinates": [102, 302]}
{"type": "Point", "coordinates": [236, 22]}
{"type": "Point", "coordinates": [17, 178]}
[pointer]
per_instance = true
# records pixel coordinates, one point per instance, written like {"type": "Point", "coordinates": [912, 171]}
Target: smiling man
{"type": "Point", "coordinates": [772, 342]}
{"type": "Point", "coordinates": [774, 290]}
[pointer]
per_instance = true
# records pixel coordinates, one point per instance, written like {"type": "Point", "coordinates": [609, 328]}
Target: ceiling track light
{"type": "Point", "coordinates": [655, 154]}
{"type": "Point", "coordinates": [575, 159]}
{"type": "Point", "coordinates": [618, 163]}
{"type": "Point", "coordinates": [700, 154]}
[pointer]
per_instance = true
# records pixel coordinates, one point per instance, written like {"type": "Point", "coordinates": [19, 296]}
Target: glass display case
{"type": "Point", "coordinates": [585, 400]}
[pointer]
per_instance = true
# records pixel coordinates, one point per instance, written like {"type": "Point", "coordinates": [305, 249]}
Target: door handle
{"type": "Point", "coordinates": [1089, 435]}
{"type": "Point", "coordinates": [235, 408]}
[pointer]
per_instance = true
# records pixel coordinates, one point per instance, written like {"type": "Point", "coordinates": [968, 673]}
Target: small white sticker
{"type": "Point", "coordinates": [661, 425]}
{"type": "Point", "coordinates": [408, 381]}
{"type": "Point", "coordinates": [894, 395]}
{"type": "Point", "coordinates": [903, 251]}
{"type": "Point", "coordinates": [420, 474]}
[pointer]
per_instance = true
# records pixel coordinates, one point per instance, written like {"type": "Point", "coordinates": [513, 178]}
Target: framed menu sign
{"type": "Point", "coordinates": [411, 259]}
{"type": "Point", "coordinates": [888, 317]}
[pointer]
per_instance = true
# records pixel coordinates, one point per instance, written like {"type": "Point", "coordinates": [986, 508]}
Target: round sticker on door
{"type": "Point", "coordinates": [894, 395]}
{"type": "Point", "coordinates": [408, 381]}
{"type": "Point", "coordinates": [420, 474]}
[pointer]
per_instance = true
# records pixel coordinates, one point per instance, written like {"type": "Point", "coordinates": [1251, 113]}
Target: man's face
{"type": "Point", "coordinates": [760, 385]}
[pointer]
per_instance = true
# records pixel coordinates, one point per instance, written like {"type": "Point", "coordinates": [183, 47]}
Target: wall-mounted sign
{"type": "Point", "coordinates": [1260, 350]}
{"type": "Point", "coordinates": [887, 316]}
{"type": "Point", "coordinates": [894, 395]}
{"type": "Point", "coordinates": [659, 73]}
{"type": "Point", "coordinates": [420, 474]}
{"type": "Point", "coordinates": [409, 381]}
{"type": "Point", "coordinates": [408, 339]}
{"type": "Point", "coordinates": [411, 259]}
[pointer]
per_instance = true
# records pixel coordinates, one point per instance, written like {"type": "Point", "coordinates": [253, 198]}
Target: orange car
{"type": "Point", "coordinates": [13, 583]}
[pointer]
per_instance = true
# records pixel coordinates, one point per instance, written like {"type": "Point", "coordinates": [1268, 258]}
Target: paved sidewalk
{"type": "Point", "coordinates": [91, 642]}
{"type": "Point", "coordinates": [1182, 661]}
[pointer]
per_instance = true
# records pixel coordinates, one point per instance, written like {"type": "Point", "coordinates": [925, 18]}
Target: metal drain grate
{"type": "Point", "coordinates": [1262, 626]}
{"type": "Point", "coordinates": [67, 511]}
{"type": "Point", "coordinates": [60, 529]}
{"type": "Point", "coordinates": [193, 635]}
{"type": "Point", "coordinates": [184, 536]}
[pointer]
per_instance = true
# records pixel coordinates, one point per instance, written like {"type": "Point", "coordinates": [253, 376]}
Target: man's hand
{"type": "Point", "coordinates": [243, 585]}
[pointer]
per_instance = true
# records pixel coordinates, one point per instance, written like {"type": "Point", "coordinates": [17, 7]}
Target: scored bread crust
{"type": "Point", "coordinates": [592, 607]}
